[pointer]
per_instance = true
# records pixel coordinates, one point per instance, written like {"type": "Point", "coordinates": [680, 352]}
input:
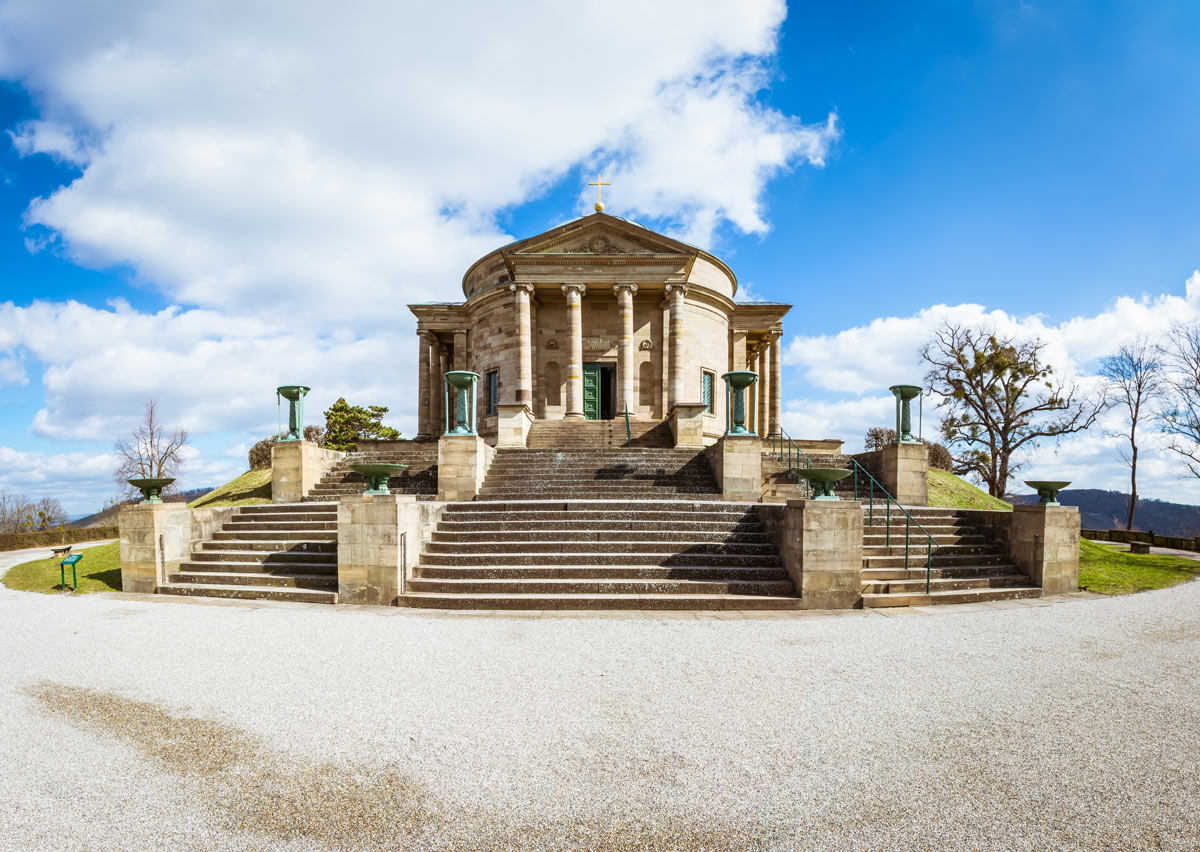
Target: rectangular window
{"type": "Point", "coordinates": [706, 390]}
{"type": "Point", "coordinates": [493, 391]}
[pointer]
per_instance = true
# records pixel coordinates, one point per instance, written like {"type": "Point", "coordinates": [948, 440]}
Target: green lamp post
{"type": "Point", "coordinates": [905, 394]}
{"type": "Point", "coordinates": [464, 382]}
{"type": "Point", "coordinates": [294, 394]}
{"type": "Point", "coordinates": [736, 382]}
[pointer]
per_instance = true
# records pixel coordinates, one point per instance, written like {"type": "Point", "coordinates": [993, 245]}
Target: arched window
{"type": "Point", "coordinates": [552, 383]}
{"type": "Point", "coordinates": [646, 384]}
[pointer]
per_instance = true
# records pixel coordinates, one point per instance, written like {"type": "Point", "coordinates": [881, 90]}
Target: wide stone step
{"type": "Point", "coordinates": [950, 597]}
{"type": "Point", "coordinates": [306, 518]}
{"type": "Point", "coordinates": [273, 546]}
{"type": "Point", "coordinates": [265, 556]}
{"type": "Point", "coordinates": [728, 573]}
{"type": "Point", "coordinates": [509, 533]}
{"type": "Point", "coordinates": [944, 572]}
{"type": "Point", "coordinates": [281, 527]}
{"type": "Point", "coordinates": [599, 587]}
{"type": "Point", "coordinates": [601, 525]}
{"type": "Point", "coordinates": [920, 548]}
{"type": "Point", "coordinates": [285, 508]}
{"type": "Point", "coordinates": [584, 558]}
{"type": "Point", "coordinates": [915, 561]}
{"type": "Point", "coordinates": [880, 540]}
{"type": "Point", "coordinates": [278, 569]}
{"type": "Point", "coordinates": [942, 584]}
{"type": "Point", "coordinates": [605, 547]}
{"type": "Point", "coordinates": [322, 582]}
{"type": "Point", "coordinates": [256, 533]}
{"type": "Point", "coordinates": [614, 602]}
{"type": "Point", "coordinates": [248, 593]}
{"type": "Point", "coordinates": [594, 490]}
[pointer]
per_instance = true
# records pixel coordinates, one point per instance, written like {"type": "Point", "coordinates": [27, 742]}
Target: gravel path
{"type": "Point", "coordinates": [148, 725]}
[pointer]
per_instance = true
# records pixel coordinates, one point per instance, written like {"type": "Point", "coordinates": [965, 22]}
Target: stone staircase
{"type": "Point", "coordinates": [966, 567]}
{"type": "Point", "coordinates": [592, 434]}
{"type": "Point", "coordinates": [420, 478]}
{"type": "Point", "coordinates": [600, 529]}
{"type": "Point", "coordinates": [781, 484]}
{"type": "Point", "coordinates": [282, 552]}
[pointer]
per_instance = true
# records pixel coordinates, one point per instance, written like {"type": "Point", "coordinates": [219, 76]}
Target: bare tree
{"type": "Point", "coordinates": [999, 399]}
{"type": "Point", "coordinates": [1180, 418]}
{"type": "Point", "coordinates": [150, 452]}
{"type": "Point", "coordinates": [1134, 374]}
{"type": "Point", "coordinates": [16, 510]}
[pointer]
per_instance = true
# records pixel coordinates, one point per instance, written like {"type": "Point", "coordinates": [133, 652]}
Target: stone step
{"type": "Point", "coordinates": [584, 558]}
{"type": "Point", "coordinates": [950, 597]}
{"type": "Point", "coordinates": [509, 534]}
{"type": "Point", "coordinates": [273, 546]}
{"type": "Point", "coordinates": [269, 527]}
{"type": "Point", "coordinates": [549, 519]}
{"type": "Point", "coordinates": [295, 557]}
{"type": "Point", "coordinates": [253, 532]}
{"type": "Point", "coordinates": [321, 582]}
{"type": "Point", "coordinates": [601, 572]}
{"type": "Point", "coordinates": [594, 547]}
{"type": "Point", "coordinates": [665, 493]}
{"type": "Point", "coordinates": [602, 525]}
{"type": "Point", "coordinates": [285, 508]}
{"type": "Point", "coordinates": [944, 572]}
{"type": "Point", "coordinates": [921, 548]}
{"type": "Point", "coordinates": [248, 593]}
{"type": "Point", "coordinates": [938, 561]}
{"type": "Point", "coordinates": [942, 584]}
{"type": "Point", "coordinates": [880, 540]}
{"type": "Point", "coordinates": [616, 602]}
{"type": "Point", "coordinates": [275, 569]}
{"type": "Point", "coordinates": [599, 587]}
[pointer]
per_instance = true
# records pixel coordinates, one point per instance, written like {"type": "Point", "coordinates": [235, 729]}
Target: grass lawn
{"type": "Point", "coordinates": [1114, 572]}
{"type": "Point", "coordinates": [251, 488]}
{"type": "Point", "coordinates": [947, 491]}
{"type": "Point", "coordinates": [98, 571]}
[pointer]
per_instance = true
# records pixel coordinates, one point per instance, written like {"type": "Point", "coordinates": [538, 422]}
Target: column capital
{"type": "Point", "coordinates": [681, 288]}
{"type": "Point", "coordinates": [427, 335]}
{"type": "Point", "coordinates": [461, 330]}
{"type": "Point", "coordinates": [578, 288]}
{"type": "Point", "coordinates": [774, 334]}
{"type": "Point", "coordinates": [625, 287]}
{"type": "Point", "coordinates": [523, 286]}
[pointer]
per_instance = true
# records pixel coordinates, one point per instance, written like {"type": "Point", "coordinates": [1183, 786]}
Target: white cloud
{"type": "Point", "coordinates": [848, 369]}
{"type": "Point", "coordinates": [79, 480]}
{"type": "Point", "coordinates": [303, 163]}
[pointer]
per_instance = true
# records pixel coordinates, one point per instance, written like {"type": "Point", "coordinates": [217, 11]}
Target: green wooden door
{"type": "Point", "coordinates": [592, 376]}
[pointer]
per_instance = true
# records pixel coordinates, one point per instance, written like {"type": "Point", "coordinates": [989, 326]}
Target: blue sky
{"type": "Point", "coordinates": [1032, 164]}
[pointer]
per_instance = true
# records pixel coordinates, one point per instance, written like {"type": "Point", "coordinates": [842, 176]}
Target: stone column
{"type": "Point", "coordinates": [524, 345]}
{"type": "Point", "coordinates": [764, 389]}
{"type": "Point", "coordinates": [443, 368]}
{"type": "Point", "coordinates": [677, 392]}
{"type": "Point", "coordinates": [752, 363]}
{"type": "Point", "coordinates": [776, 377]}
{"type": "Point", "coordinates": [423, 429]}
{"type": "Point", "coordinates": [575, 363]}
{"type": "Point", "coordinates": [460, 349]}
{"type": "Point", "coordinates": [664, 371]}
{"type": "Point", "coordinates": [625, 397]}
{"type": "Point", "coordinates": [434, 383]}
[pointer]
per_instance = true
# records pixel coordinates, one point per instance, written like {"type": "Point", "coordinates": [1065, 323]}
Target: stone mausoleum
{"type": "Point", "coordinates": [599, 429]}
{"type": "Point", "coordinates": [594, 318]}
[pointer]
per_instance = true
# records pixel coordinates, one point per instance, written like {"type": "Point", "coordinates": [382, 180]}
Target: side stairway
{"type": "Point", "coordinates": [600, 529]}
{"type": "Point", "coordinates": [781, 484]}
{"type": "Point", "coordinates": [282, 552]}
{"type": "Point", "coordinates": [966, 567]}
{"type": "Point", "coordinates": [420, 478]}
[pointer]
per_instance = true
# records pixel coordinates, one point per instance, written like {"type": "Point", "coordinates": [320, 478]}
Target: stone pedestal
{"type": "Point", "coordinates": [297, 466]}
{"type": "Point", "coordinates": [513, 422]}
{"type": "Point", "coordinates": [821, 546]}
{"type": "Point", "coordinates": [154, 539]}
{"type": "Point", "coordinates": [687, 424]}
{"type": "Point", "coordinates": [903, 469]}
{"type": "Point", "coordinates": [736, 462]}
{"type": "Point", "coordinates": [1043, 541]}
{"type": "Point", "coordinates": [463, 462]}
{"type": "Point", "coordinates": [371, 548]}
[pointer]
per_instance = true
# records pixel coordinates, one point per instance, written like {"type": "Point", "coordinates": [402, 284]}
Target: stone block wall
{"type": "Point", "coordinates": [736, 462]}
{"type": "Point", "coordinates": [380, 538]}
{"type": "Point", "coordinates": [903, 469]}
{"type": "Point", "coordinates": [513, 422]}
{"type": "Point", "coordinates": [820, 542]}
{"type": "Point", "coordinates": [296, 467]}
{"type": "Point", "coordinates": [1042, 541]}
{"type": "Point", "coordinates": [155, 538]}
{"type": "Point", "coordinates": [463, 462]}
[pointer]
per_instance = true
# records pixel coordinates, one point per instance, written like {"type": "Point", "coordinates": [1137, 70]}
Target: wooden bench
{"type": "Point", "coordinates": [1139, 547]}
{"type": "Point", "coordinates": [62, 572]}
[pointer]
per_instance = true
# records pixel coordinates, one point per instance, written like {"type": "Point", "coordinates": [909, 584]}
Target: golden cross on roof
{"type": "Point", "coordinates": [598, 183]}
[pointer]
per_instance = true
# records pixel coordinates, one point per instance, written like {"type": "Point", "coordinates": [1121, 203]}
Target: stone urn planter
{"type": "Point", "coordinates": [460, 387]}
{"type": "Point", "coordinates": [152, 487]}
{"type": "Point", "coordinates": [377, 475]}
{"type": "Point", "coordinates": [1047, 490]}
{"type": "Point", "coordinates": [905, 394]}
{"type": "Point", "coordinates": [736, 383]}
{"type": "Point", "coordinates": [822, 480]}
{"type": "Point", "coordinates": [294, 394]}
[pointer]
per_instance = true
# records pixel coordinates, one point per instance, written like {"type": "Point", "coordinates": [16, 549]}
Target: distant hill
{"type": "Point", "coordinates": [1107, 510]}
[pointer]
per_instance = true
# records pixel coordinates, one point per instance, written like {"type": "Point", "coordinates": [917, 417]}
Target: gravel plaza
{"type": "Point", "coordinates": [1057, 723]}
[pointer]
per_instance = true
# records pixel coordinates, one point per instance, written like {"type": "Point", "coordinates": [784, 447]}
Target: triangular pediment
{"type": "Point", "coordinates": [603, 235]}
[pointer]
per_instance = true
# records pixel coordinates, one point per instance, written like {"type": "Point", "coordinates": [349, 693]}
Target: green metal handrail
{"type": "Point", "coordinates": [628, 431]}
{"type": "Point", "coordinates": [785, 449]}
{"type": "Point", "coordinates": [872, 485]}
